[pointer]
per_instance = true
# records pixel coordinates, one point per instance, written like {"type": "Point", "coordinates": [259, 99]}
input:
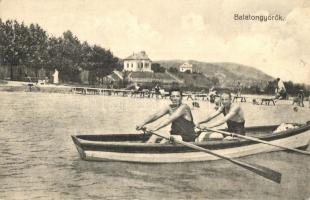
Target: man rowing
{"type": "Point", "coordinates": [180, 118]}
{"type": "Point", "coordinates": [233, 116]}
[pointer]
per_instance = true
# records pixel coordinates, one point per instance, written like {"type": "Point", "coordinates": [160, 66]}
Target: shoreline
{"type": "Point", "coordinates": [17, 86]}
{"type": "Point", "coordinates": [65, 90]}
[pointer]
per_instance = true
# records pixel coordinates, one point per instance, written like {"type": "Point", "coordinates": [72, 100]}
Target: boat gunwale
{"type": "Point", "coordinates": [155, 148]}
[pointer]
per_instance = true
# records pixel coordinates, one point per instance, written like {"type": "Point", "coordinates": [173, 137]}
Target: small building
{"type": "Point", "coordinates": [138, 62]}
{"type": "Point", "coordinates": [186, 67]}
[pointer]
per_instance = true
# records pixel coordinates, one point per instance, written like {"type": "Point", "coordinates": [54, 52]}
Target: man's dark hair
{"type": "Point", "coordinates": [175, 90]}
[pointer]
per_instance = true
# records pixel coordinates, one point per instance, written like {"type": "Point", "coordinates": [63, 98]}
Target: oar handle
{"type": "Point", "coordinates": [219, 131]}
{"type": "Point", "coordinates": [145, 131]}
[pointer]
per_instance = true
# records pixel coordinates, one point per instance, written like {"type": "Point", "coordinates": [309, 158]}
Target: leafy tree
{"type": "Point", "coordinates": [215, 80]}
{"type": "Point", "coordinates": [157, 68]}
{"type": "Point", "coordinates": [36, 43]}
{"type": "Point", "coordinates": [30, 47]}
{"type": "Point", "coordinates": [54, 50]}
{"type": "Point", "coordinates": [102, 62]}
{"type": "Point", "coordinates": [71, 57]}
{"type": "Point", "coordinates": [173, 70]}
{"type": "Point", "coordinates": [3, 42]}
{"type": "Point", "coordinates": [292, 88]}
{"type": "Point", "coordinates": [270, 87]}
{"type": "Point", "coordinates": [8, 45]}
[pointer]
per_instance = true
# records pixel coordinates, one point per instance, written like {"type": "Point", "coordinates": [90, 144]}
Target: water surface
{"type": "Point", "coordinates": [39, 160]}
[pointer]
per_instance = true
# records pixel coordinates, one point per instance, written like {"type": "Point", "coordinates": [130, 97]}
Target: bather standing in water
{"type": "Point", "coordinates": [233, 116]}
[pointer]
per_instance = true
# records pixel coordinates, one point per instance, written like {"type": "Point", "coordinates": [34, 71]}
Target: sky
{"type": "Point", "coordinates": [203, 30]}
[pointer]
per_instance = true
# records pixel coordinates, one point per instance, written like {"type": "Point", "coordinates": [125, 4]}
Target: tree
{"type": "Point", "coordinates": [54, 50]}
{"type": "Point", "coordinates": [3, 42]}
{"type": "Point", "coordinates": [270, 87]}
{"type": "Point", "coordinates": [32, 48]}
{"type": "Point", "coordinates": [214, 80]}
{"type": "Point", "coordinates": [157, 68]}
{"type": "Point", "coordinates": [71, 57]}
{"type": "Point", "coordinates": [173, 70]}
{"type": "Point", "coordinates": [293, 89]}
{"type": "Point", "coordinates": [8, 45]}
{"type": "Point", "coordinates": [102, 62]}
{"type": "Point", "coordinates": [36, 48]}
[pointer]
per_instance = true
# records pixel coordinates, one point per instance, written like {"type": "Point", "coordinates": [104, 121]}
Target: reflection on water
{"type": "Point", "coordinates": [39, 160]}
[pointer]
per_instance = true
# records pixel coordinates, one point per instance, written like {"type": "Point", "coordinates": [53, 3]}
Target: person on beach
{"type": "Point", "coordinates": [157, 90]}
{"type": "Point", "coordinates": [301, 96]}
{"type": "Point", "coordinates": [280, 90]}
{"type": "Point", "coordinates": [299, 100]}
{"type": "Point", "coordinates": [180, 118]}
{"type": "Point", "coordinates": [137, 90]}
{"type": "Point", "coordinates": [233, 116]}
{"type": "Point", "coordinates": [238, 89]}
{"type": "Point", "coordinates": [212, 94]}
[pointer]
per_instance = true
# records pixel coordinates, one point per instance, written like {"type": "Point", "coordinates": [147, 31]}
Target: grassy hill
{"type": "Point", "coordinates": [194, 80]}
{"type": "Point", "coordinates": [228, 73]}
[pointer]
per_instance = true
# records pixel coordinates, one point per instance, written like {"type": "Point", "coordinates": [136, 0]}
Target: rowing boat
{"type": "Point", "coordinates": [132, 147]}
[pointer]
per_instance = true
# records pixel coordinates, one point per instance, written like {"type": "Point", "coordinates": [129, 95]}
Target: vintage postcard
{"type": "Point", "coordinates": [138, 99]}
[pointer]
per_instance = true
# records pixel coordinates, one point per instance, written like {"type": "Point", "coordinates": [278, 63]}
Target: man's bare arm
{"type": "Point", "coordinates": [230, 115]}
{"type": "Point", "coordinates": [178, 113]}
{"type": "Point", "coordinates": [212, 116]}
{"type": "Point", "coordinates": [154, 117]}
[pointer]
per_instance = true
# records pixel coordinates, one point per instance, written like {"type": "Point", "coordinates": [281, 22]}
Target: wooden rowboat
{"type": "Point", "coordinates": [132, 147]}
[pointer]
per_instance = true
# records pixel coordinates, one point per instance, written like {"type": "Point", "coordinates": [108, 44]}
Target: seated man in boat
{"type": "Point", "coordinates": [233, 116]}
{"type": "Point", "coordinates": [180, 118]}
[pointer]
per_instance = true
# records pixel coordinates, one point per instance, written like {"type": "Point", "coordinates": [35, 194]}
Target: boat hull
{"type": "Point", "coordinates": [94, 154]}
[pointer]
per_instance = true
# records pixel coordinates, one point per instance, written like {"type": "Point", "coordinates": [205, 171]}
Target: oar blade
{"type": "Point", "coordinates": [262, 171]}
{"type": "Point", "coordinates": [269, 173]}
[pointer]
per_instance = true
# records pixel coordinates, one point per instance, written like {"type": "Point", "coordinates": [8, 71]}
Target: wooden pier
{"type": "Point", "coordinates": [267, 101]}
{"type": "Point", "coordinates": [242, 99]}
{"type": "Point", "coordinates": [145, 93]}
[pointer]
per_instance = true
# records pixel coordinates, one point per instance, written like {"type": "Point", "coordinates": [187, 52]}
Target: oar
{"type": "Point", "coordinates": [260, 170]}
{"type": "Point", "coordinates": [257, 140]}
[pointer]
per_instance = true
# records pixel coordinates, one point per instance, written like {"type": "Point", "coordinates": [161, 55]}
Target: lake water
{"type": "Point", "coordinates": [39, 160]}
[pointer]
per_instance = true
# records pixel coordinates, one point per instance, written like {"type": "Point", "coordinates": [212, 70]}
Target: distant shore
{"type": "Point", "coordinates": [18, 86]}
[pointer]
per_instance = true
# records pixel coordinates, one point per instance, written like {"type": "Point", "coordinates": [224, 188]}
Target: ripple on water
{"type": "Point", "coordinates": [39, 160]}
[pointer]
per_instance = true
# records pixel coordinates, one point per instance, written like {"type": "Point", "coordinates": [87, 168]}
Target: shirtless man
{"type": "Point", "coordinates": [233, 116]}
{"type": "Point", "coordinates": [280, 90]}
{"type": "Point", "coordinates": [238, 89]}
{"type": "Point", "coordinates": [180, 118]}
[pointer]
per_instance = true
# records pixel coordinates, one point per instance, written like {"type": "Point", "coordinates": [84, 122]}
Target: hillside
{"type": "Point", "coordinates": [228, 73]}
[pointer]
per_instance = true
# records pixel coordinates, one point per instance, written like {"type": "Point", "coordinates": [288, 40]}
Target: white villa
{"type": "Point", "coordinates": [186, 67]}
{"type": "Point", "coordinates": [138, 62]}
